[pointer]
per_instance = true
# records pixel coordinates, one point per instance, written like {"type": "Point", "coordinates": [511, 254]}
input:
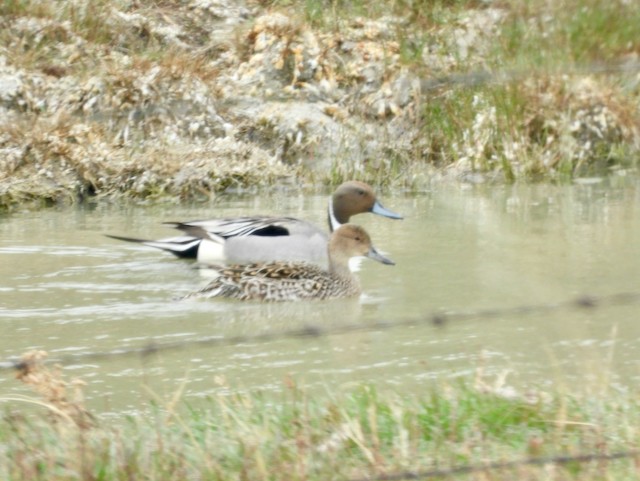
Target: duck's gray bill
{"type": "Point", "coordinates": [376, 256]}
{"type": "Point", "coordinates": [378, 209]}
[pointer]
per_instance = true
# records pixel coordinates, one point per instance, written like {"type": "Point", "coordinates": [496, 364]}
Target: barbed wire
{"type": "Point", "coordinates": [440, 319]}
{"type": "Point", "coordinates": [482, 77]}
{"type": "Point", "coordinates": [501, 465]}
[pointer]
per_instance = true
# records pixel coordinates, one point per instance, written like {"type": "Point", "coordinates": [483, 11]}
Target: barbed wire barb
{"type": "Point", "coordinates": [501, 465]}
{"type": "Point", "coordinates": [439, 319]}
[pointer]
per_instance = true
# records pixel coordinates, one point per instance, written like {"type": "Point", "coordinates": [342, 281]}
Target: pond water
{"type": "Point", "coordinates": [68, 289]}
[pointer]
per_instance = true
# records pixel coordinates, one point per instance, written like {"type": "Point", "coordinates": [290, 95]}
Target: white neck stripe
{"type": "Point", "coordinates": [332, 218]}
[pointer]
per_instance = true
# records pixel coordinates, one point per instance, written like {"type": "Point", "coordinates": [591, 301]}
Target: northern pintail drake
{"type": "Point", "coordinates": [254, 239]}
{"type": "Point", "coordinates": [293, 281]}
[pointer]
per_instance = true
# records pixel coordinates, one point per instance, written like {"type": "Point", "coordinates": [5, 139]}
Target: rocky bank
{"type": "Point", "coordinates": [182, 100]}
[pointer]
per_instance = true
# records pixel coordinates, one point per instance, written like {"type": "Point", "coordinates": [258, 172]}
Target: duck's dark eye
{"type": "Point", "coordinates": [358, 238]}
{"type": "Point", "coordinates": [361, 192]}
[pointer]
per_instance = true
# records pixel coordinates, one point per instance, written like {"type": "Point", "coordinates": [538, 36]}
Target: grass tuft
{"type": "Point", "coordinates": [359, 433]}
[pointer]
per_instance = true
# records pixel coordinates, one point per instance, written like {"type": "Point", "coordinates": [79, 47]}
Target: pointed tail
{"type": "Point", "coordinates": [185, 247]}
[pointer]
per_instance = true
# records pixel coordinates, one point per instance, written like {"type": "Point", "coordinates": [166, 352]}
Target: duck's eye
{"type": "Point", "coordinates": [360, 192]}
{"type": "Point", "coordinates": [358, 238]}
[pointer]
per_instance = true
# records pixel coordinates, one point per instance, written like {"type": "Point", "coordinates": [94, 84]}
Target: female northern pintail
{"type": "Point", "coordinates": [292, 281]}
{"type": "Point", "coordinates": [264, 238]}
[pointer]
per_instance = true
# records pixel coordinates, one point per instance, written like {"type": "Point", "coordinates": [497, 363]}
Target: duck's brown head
{"type": "Point", "coordinates": [352, 198]}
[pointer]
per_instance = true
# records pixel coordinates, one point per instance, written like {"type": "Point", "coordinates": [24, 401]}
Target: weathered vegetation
{"type": "Point", "coordinates": [184, 99]}
{"type": "Point", "coordinates": [181, 100]}
{"type": "Point", "coordinates": [359, 434]}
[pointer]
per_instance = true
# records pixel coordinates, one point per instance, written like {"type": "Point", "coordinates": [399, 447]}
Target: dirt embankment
{"type": "Point", "coordinates": [185, 99]}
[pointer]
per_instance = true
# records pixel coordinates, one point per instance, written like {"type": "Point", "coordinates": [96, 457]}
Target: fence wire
{"type": "Point", "coordinates": [502, 465]}
{"type": "Point", "coordinates": [484, 77]}
{"type": "Point", "coordinates": [438, 319]}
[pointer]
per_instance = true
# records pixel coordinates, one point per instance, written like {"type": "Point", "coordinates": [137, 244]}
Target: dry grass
{"type": "Point", "coordinates": [360, 434]}
{"type": "Point", "coordinates": [63, 400]}
{"type": "Point", "coordinates": [173, 100]}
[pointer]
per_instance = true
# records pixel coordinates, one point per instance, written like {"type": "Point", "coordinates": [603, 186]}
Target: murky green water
{"type": "Point", "coordinates": [66, 288]}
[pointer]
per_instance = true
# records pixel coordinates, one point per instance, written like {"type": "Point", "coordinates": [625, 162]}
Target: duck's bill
{"type": "Point", "coordinates": [378, 209]}
{"type": "Point", "coordinates": [376, 256]}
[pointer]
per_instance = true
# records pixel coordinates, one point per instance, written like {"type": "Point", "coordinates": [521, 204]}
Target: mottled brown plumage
{"type": "Point", "coordinates": [289, 281]}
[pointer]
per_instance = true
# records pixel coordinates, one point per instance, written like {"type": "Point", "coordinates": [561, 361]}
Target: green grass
{"type": "Point", "coordinates": [359, 432]}
{"type": "Point", "coordinates": [517, 100]}
{"type": "Point", "coordinates": [518, 125]}
{"type": "Point", "coordinates": [565, 35]}
{"type": "Point", "coordinates": [295, 435]}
